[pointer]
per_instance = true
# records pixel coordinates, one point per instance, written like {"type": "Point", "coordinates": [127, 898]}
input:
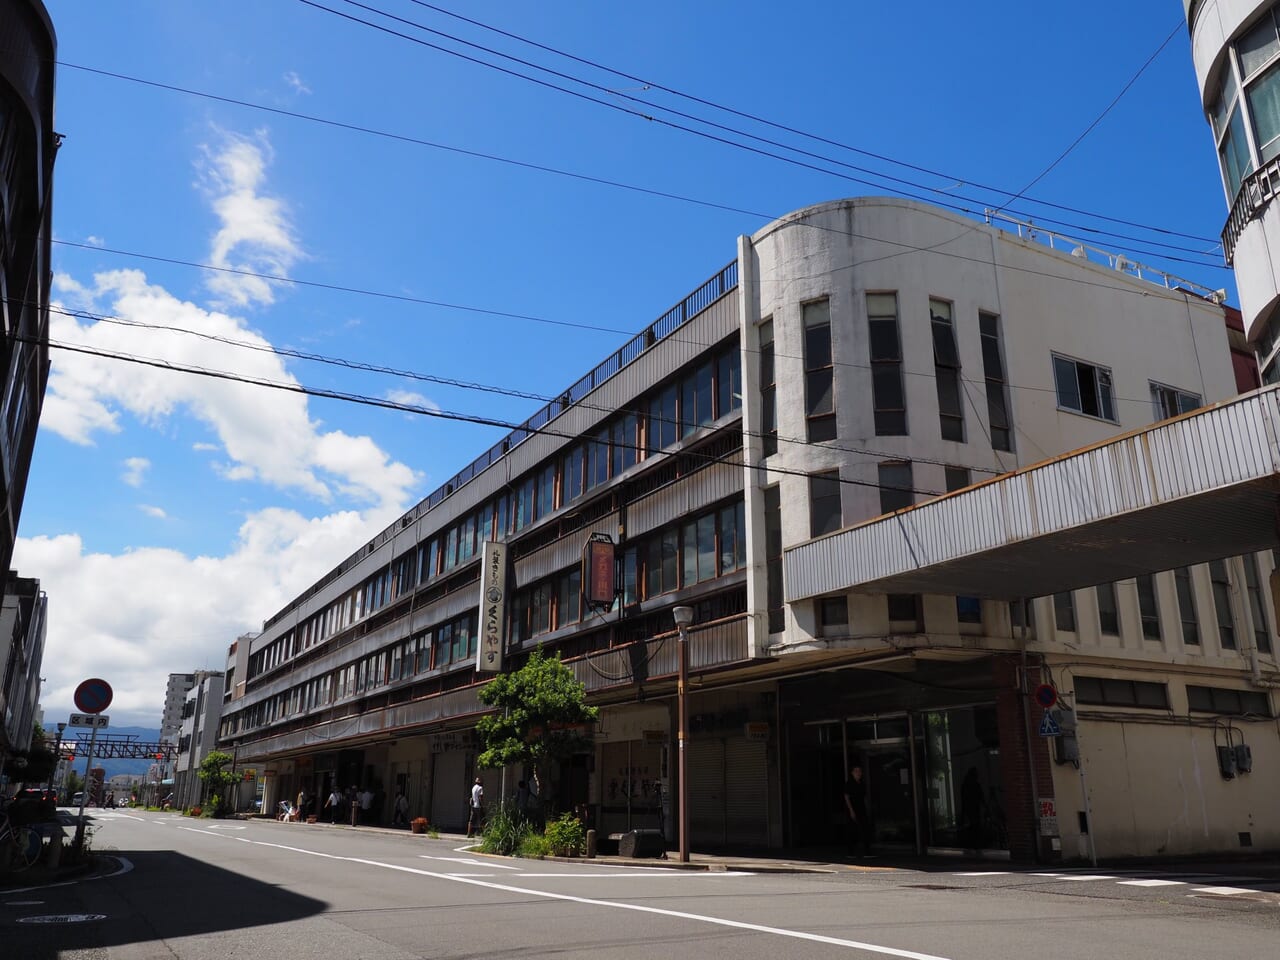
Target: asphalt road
{"type": "Point", "coordinates": [195, 889]}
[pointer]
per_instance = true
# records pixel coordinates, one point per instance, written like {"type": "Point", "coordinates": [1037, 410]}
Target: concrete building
{"type": "Point", "coordinates": [197, 736]}
{"type": "Point", "coordinates": [855, 358]}
{"type": "Point", "coordinates": [27, 148]}
{"type": "Point", "coordinates": [22, 631]}
{"type": "Point", "coordinates": [175, 699]}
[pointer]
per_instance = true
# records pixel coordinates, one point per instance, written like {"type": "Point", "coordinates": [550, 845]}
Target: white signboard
{"type": "Point", "coordinates": [493, 607]}
{"type": "Point", "coordinates": [89, 720]}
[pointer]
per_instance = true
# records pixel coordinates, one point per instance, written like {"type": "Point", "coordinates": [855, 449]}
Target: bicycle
{"type": "Point", "coordinates": [22, 844]}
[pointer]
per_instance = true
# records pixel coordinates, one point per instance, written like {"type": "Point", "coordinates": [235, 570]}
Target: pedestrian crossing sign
{"type": "Point", "coordinates": [1049, 726]}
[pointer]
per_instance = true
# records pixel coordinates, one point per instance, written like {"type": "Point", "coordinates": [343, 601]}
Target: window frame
{"type": "Point", "coordinates": [1103, 401]}
{"type": "Point", "coordinates": [1162, 392]}
{"type": "Point", "coordinates": [947, 369]}
{"type": "Point", "coordinates": [819, 371]}
{"type": "Point", "coordinates": [888, 420]}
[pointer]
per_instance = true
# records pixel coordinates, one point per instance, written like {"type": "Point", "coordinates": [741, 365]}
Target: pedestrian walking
{"type": "Point", "coordinates": [475, 814]}
{"type": "Point", "coordinates": [400, 810]}
{"type": "Point", "coordinates": [334, 805]}
{"type": "Point", "coordinates": [855, 802]}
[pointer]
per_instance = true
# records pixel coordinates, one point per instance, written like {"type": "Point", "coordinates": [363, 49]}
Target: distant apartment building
{"type": "Point", "coordinates": [197, 736]}
{"type": "Point", "coordinates": [857, 371]}
{"type": "Point", "coordinates": [175, 699]}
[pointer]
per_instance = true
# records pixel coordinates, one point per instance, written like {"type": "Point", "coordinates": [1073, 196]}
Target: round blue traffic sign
{"type": "Point", "coordinates": [93, 696]}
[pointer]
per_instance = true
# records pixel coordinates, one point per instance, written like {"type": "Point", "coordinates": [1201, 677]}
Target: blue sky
{"type": "Point", "coordinates": [168, 513]}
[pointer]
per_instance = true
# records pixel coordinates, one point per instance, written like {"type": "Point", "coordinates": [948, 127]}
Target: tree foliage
{"type": "Point", "coordinates": [217, 778]}
{"type": "Point", "coordinates": [542, 718]}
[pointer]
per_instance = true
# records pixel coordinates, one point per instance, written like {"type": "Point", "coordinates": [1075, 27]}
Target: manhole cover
{"type": "Point", "coordinates": [64, 918]}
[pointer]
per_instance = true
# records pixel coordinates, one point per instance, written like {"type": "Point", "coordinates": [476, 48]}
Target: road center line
{"type": "Point", "coordinates": [588, 901]}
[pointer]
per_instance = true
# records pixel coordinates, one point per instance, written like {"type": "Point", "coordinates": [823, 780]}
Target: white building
{"type": "Point", "coordinates": [197, 736]}
{"type": "Point", "coordinates": [175, 697]}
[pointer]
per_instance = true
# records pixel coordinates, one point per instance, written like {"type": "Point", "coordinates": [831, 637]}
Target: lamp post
{"type": "Point", "coordinates": [57, 752]}
{"type": "Point", "coordinates": [683, 617]}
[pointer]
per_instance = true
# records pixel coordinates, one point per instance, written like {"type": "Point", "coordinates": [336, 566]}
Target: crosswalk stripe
{"type": "Point", "coordinates": [1224, 891]}
{"type": "Point", "coordinates": [1154, 883]}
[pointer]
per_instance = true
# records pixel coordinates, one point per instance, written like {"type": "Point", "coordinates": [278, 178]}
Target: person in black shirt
{"type": "Point", "coordinates": [855, 803]}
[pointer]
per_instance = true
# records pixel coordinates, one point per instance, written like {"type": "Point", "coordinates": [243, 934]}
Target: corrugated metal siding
{"type": "Point", "coordinates": [1213, 449]}
{"type": "Point", "coordinates": [691, 494]}
{"type": "Point", "coordinates": [562, 553]}
{"type": "Point", "coordinates": [717, 644]}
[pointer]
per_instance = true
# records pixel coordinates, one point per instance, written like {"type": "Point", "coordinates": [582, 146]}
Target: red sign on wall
{"type": "Point", "coordinates": [599, 577]}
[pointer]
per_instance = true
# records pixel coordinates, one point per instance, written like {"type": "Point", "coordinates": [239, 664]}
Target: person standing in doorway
{"type": "Point", "coordinates": [400, 810]}
{"type": "Point", "coordinates": [476, 810]}
{"type": "Point", "coordinates": [855, 803]}
{"type": "Point", "coordinates": [302, 804]}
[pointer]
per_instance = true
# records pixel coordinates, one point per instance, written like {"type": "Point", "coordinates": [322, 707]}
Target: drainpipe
{"type": "Point", "coordinates": [1026, 731]}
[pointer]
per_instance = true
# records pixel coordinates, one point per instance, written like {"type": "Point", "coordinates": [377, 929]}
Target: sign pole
{"type": "Point", "coordinates": [84, 793]}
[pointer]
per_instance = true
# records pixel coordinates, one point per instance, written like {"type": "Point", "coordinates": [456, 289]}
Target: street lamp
{"type": "Point", "coordinates": [683, 617]}
{"type": "Point", "coordinates": [57, 753]}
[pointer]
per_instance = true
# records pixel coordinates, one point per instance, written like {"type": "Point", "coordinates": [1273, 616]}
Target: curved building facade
{"type": "Point", "coordinates": [1236, 50]}
{"type": "Point", "coordinates": [855, 359]}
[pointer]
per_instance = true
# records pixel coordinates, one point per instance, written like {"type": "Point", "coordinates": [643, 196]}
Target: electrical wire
{"type": "Point", "coordinates": [647, 84]}
{"type": "Point", "coordinates": [687, 116]}
{"type": "Point", "coordinates": [434, 413]}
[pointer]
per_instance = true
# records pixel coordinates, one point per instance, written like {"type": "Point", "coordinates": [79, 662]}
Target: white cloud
{"type": "Point", "coordinates": [134, 618]}
{"type": "Point", "coordinates": [409, 398]}
{"type": "Point", "coordinates": [204, 447]}
{"type": "Point", "coordinates": [267, 434]}
{"type": "Point", "coordinates": [255, 233]}
{"type": "Point", "coordinates": [135, 469]}
{"type": "Point", "coordinates": [150, 511]}
{"type": "Point", "coordinates": [94, 241]}
{"type": "Point", "coordinates": [293, 80]}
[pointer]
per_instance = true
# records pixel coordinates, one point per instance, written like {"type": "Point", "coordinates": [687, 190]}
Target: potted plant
{"type": "Point", "coordinates": [418, 825]}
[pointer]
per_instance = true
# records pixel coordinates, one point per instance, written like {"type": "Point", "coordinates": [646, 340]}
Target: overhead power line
{"type": "Point", "coordinates": [653, 84]}
{"type": "Point", "coordinates": [431, 412]}
{"type": "Point", "coordinates": [704, 134]}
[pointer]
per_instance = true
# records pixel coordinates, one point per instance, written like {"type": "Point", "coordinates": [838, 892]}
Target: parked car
{"type": "Point", "coordinates": [77, 798]}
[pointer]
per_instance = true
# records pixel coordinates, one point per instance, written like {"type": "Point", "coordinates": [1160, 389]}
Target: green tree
{"type": "Point", "coordinates": [217, 778]}
{"type": "Point", "coordinates": [542, 718]}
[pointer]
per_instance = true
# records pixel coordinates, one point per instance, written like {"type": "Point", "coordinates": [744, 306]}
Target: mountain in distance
{"type": "Point", "coordinates": [137, 768]}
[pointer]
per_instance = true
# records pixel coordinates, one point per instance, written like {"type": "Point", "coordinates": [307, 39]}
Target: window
{"type": "Point", "coordinates": [1084, 388]}
{"type": "Point", "coordinates": [1224, 701]}
{"type": "Point", "coordinates": [546, 494]}
{"type": "Point", "coordinates": [1257, 608]}
{"type": "Point", "coordinates": [1169, 402]}
{"type": "Point", "coordinates": [1221, 581]}
{"type": "Point", "coordinates": [968, 610]}
{"type": "Point", "coordinates": [523, 505]}
{"type": "Point", "coordinates": [824, 503]}
{"type": "Point", "coordinates": [904, 608]}
{"type": "Point", "coordinates": [733, 545]}
{"type": "Point", "coordinates": [728, 382]}
{"type": "Point", "coordinates": [833, 616]}
{"type": "Point", "coordinates": [571, 475]}
{"type": "Point", "coordinates": [1258, 49]}
{"type": "Point", "coordinates": [706, 532]}
{"type": "Point", "coordinates": [662, 563]}
{"type": "Point", "coordinates": [695, 400]}
{"type": "Point", "coordinates": [773, 559]}
{"type": "Point", "coordinates": [622, 436]}
{"type": "Point", "coordinates": [1149, 607]}
{"type": "Point", "coordinates": [540, 609]}
{"type": "Point", "coordinates": [597, 457]}
{"type": "Point", "coordinates": [768, 391]}
{"type": "Point", "coordinates": [957, 478]}
{"type": "Point", "coordinates": [997, 386]}
{"type": "Point", "coordinates": [569, 597]}
{"type": "Point", "coordinates": [1187, 606]}
{"type": "Point", "coordinates": [895, 486]}
{"type": "Point", "coordinates": [819, 373]}
{"type": "Point", "coordinates": [1108, 692]}
{"type": "Point", "coordinates": [663, 424]}
{"type": "Point", "coordinates": [1108, 609]}
{"type": "Point", "coordinates": [889, 398]}
{"type": "Point", "coordinates": [1064, 612]}
{"type": "Point", "coordinates": [946, 371]}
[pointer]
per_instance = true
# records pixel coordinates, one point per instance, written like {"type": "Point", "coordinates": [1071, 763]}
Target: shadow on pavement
{"type": "Point", "coordinates": [165, 896]}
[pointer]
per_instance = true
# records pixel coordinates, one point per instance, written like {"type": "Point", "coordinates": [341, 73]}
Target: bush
{"type": "Point", "coordinates": [567, 836]}
{"type": "Point", "coordinates": [504, 830]}
{"type": "Point", "coordinates": [534, 846]}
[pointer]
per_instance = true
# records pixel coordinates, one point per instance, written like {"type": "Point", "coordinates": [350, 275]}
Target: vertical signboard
{"type": "Point", "coordinates": [599, 578]}
{"type": "Point", "coordinates": [493, 607]}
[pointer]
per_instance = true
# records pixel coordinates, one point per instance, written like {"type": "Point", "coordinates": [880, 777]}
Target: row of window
{"type": "Point", "coordinates": [889, 398]}
{"type": "Point", "coordinates": [1111, 692]}
{"type": "Point", "coordinates": [1188, 615]}
{"type": "Point", "coordinates": [668, 414]}
{"type": "Point", "coordinates": [1087, 388]}
{"type": "Point", "coordinates": [1254, 65]}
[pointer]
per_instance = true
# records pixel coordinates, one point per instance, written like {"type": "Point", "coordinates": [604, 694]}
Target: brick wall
{"type": "Point", "coordinates": [1014, 710]}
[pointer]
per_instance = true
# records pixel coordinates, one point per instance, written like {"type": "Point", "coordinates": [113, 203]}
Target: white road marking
{"type": "Point", "coordinates": [617, 905]}
{"type": "Point", "coordinates": [683, 874]}
{"type": "Point", "coordinates": [985, 873]}
{"type": "Point", "coordinates": [1223, 891]}
{"type": "Point", "coordinates": [1085, 876]}
{"type": "Point", "coordinates": [1153, 883]}
{"type": "Point", "coordinates": [1055, 875]}
{"type": "Point", "coordinates": [24, 903]}
{"type": "Point", "coordinates": [469, 862]}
